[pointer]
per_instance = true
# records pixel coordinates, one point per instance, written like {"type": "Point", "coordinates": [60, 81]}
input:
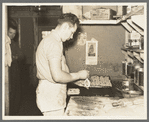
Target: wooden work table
{"type": "Point", "coordinates": [105, 102]}
{"type": "Point", "coordinates": [105, 106]}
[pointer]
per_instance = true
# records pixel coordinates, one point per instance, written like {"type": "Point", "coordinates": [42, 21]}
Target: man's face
{"type": "Point", "coordinates": [68, 33]}
{"type": "Point", "coordinates": [11, 33]}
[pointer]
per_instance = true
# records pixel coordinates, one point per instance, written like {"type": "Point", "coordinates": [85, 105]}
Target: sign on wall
{"type": "Point", "coordinates": [91, 52]}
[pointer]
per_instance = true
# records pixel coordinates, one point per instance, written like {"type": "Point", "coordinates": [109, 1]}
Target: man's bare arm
{"type": "Point", "coordinates": [61, 76]}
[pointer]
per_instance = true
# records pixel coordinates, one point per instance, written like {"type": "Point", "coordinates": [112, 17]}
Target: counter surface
{"type": "Point", "coordinates": [105, 106]}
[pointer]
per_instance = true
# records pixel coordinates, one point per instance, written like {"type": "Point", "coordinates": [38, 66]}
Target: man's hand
{"type": "Point", "coordinates": [83, 74]}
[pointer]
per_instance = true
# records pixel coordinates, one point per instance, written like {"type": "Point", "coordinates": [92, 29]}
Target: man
{"type": "Point", "coordinates": [52, 71]}
{"type": "Point", "coordinates": [15, 69]}
{"type": "Point", "coordinates": [12, 33]}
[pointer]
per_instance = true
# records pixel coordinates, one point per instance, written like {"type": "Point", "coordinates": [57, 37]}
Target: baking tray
{"type": "Point", "coordinates": [100, 86]}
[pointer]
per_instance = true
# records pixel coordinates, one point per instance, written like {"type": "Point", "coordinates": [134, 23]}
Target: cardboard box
{"type": "Point", "coordinates": [101, 14]}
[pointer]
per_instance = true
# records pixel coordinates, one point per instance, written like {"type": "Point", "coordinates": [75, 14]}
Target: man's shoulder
{"type": "Point", "coordinates": [50, 40]}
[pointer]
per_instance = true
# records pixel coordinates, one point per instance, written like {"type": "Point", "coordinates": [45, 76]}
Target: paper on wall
{"type": "Point", "coordinates": [92, 52]}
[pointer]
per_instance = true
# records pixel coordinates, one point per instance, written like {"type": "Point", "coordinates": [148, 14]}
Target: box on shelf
{"type": "Point", "coordinates": [98, 12]}
{"type": "Point", "coordinates": [101, 14]}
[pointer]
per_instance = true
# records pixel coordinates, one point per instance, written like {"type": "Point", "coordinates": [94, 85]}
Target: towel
{"type": "Point", "coordinates": [8, 58]}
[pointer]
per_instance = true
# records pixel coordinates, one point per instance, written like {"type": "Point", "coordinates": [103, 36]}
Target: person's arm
{"type": "Point", "coordinates": [61, 76]}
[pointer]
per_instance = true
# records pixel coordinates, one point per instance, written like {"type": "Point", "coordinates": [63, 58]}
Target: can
{"type": "Point", "coordinates": [135, 76]}
{"type": "Point", "coordinates": [124, 67]}
{"type": "Point", "coordinates": [141, 77]}
{"type": "Point", "coordinates": [130, 69]}
{"type": "Point", "coordinates": [137, 66]}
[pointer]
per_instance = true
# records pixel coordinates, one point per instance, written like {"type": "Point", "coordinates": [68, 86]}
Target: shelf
{"type": "Point", "coordinates": [140, 87]}
{"type": "Point", "coordinates": [139, 20]}
{"type": "Point", "coordinates": [134, 50]}
{"type": "Point", "coordinates": [136, 11]}
{"type": "Point", "coordinates": [98, 22]}
{"type": "Point", "coordinates": [137, 53]}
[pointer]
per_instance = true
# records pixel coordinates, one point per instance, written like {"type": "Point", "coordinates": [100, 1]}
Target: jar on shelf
{"type": "Point", "coordinates": [141, 43]}
{"type": "Point", "coordinates": [137, 65]}
{"type": "Point", "coordinates": [124, 67]}
{"type": "Point", "coordinates": [130, 69]}
{"type": "Point", "coordinates": [140, 76]}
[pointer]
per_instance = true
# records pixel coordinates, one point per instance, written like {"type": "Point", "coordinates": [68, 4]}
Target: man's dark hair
{"type": "Point", "coordinates": [72, 19]}
{"type": "Point", "coordinates": [12, 24]}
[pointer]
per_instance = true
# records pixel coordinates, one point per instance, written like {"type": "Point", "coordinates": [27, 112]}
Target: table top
{"type": "Point", "coordinates": [105, 106]}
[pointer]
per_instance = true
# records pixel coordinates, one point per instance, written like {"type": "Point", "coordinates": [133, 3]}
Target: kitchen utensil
{"type": "Point", "coordinates": [87, 83]}
{"type": "Point", "coordinates": [116, 104]}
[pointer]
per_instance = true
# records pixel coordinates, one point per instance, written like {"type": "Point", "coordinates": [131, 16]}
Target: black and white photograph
{"type": "Point", "coordinates": [78, 61]}
{"type": "Point", "coordinates": [92, 52]}
{"type": "Point", "coordinates": [91, 49]}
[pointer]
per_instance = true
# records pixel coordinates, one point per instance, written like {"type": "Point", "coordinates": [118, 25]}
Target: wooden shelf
{"type": "Point", "coordinates": [137, 53]}
{"type": "Point", "coordinates": [98, 22]}
{"type": "Point", "coordinates": [136, 11]}
{"type": "Point", "coordinates": [139, 20]}
{"type": "Point", "coordinates": [140, 87]}
{"type": "Point", "coordinates": [134, 50]}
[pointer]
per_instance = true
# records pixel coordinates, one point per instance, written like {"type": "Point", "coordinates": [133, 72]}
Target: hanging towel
{"type": "Point", "coordinates": [8, 58]}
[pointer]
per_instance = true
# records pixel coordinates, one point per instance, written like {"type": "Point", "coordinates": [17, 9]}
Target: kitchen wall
{"type": "Point", "coordinates": [110, 40]}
